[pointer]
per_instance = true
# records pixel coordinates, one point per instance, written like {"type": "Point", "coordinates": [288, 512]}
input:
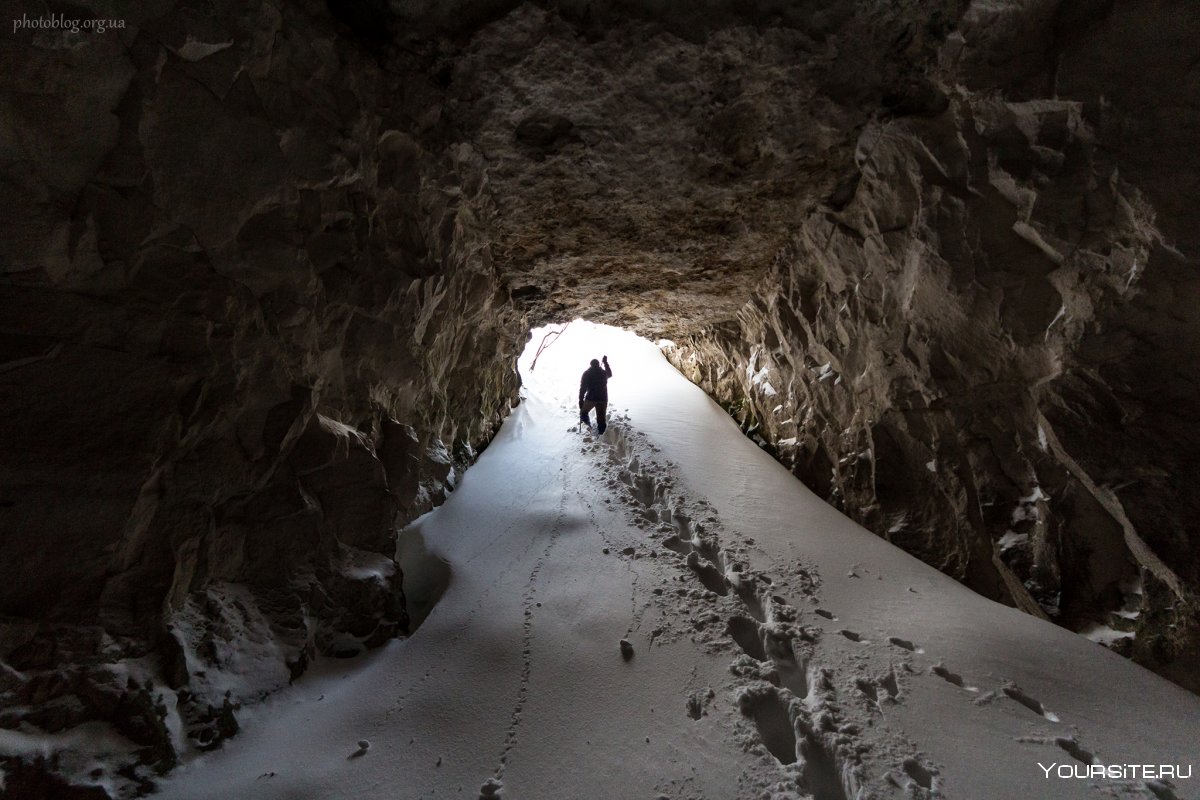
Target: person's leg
{"type": "Point", "coordinates": [585, 408]}
{"type": "Point", "coordinates": [601, 417]}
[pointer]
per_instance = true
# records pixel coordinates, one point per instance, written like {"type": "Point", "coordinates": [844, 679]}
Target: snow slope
{"type": "Point", "coordinates": [779, 650]}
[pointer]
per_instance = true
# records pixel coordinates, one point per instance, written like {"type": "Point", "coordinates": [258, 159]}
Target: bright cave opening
{"type": "Point", "coordinates": [556, 356]}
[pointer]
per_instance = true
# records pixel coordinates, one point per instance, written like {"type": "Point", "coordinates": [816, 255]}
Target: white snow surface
{"type": "Point", "coordinates": [1103, 634]}
{"type": "Point", "coordinates": [765, 626]}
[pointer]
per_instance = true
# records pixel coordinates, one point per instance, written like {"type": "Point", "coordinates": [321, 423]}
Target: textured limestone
{"type": "Point", "coordinates": [269, 264]}
{"type": "Point", "coordinates": [985, 351]}
{"type": "Point", "coordinates": [249, 330]}
{"type": "Point", "coordinates": [649, 170]}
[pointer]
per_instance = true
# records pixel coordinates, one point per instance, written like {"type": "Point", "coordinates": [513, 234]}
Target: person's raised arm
{"type": "Point", "coordinates": [607, 368]}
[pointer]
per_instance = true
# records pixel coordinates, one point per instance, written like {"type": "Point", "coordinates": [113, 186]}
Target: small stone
{"type": "Point", "coordinates": [626, 649]}
{"type": "Point", "coordinates": [491, 787]}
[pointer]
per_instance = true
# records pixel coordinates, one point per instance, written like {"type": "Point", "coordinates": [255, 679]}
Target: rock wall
{"type": "Point", "coordinates": [981, 346]}
{"type": "Point", "coordinates": [250, 328]}
{"type": "Point", "coordinates": [267, 267]}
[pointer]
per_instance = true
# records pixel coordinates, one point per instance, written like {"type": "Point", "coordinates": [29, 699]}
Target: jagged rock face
{"type": "Point", "coordinates": [985, 353]}
{"type": "Point", "coordinates": [964, 241]}
{"type": "Point", "coordinates": [648, 171]}
{"type": "Point", "coordinates": [273, 265]}
{"type": "Point", "coordinates": [250, 329]}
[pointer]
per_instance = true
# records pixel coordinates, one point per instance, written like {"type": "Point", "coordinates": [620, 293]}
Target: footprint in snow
{"type": "Point", "coordinates": [770, 715]}
{"type": "Point", "coordinates": [1015, 693]}
{"type": "Point", "coordinates": [1068, 744]}
{"type": "Point", "coordinates": [698, 701]}
{"type": "Point", "coordinates": [904, 644]}
{"type": "Point", "coordinates": [748, 635]}
{"type": "Point", "coordinates": [951, 677]}
{"type": "Point", "coordinates": [1162, 790]}
{"type": "Point", "coordinates": [708, 574]}
{"type": "Point", "coordinates": [879, 691]}
{"type": "Point", "coordinates": [1072, 748]}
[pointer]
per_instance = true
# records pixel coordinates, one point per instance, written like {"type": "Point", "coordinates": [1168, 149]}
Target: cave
{"type": "Point", "coordinates": [901, 300]}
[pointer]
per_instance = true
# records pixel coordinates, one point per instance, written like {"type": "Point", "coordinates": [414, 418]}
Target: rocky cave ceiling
{"type": "Point", "coordinates": [647, 169]}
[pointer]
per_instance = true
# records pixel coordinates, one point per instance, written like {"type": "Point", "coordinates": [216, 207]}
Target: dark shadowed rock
{"type": "Point", "coordinates": [545, 132]}
{"type": "Point", "coordinates": [264, 275]}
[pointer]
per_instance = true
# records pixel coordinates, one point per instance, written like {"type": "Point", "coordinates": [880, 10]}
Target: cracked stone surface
{"type": "Point", "coordinates": [268, 267]}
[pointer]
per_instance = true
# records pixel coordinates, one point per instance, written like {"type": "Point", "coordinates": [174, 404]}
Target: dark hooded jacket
{"type": "Point", "coordinates": [594, 384]}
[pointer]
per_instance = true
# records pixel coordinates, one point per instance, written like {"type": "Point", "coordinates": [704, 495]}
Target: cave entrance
{"type": "Point", "coordinates": [557, 354]}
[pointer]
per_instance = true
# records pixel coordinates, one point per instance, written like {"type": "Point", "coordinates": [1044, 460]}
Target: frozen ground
{"type": "Point", "coordinates": [778, 650]}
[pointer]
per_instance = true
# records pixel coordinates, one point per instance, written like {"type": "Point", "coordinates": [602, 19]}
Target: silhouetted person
{"type": "Point", "coordinates": [593, 393]}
